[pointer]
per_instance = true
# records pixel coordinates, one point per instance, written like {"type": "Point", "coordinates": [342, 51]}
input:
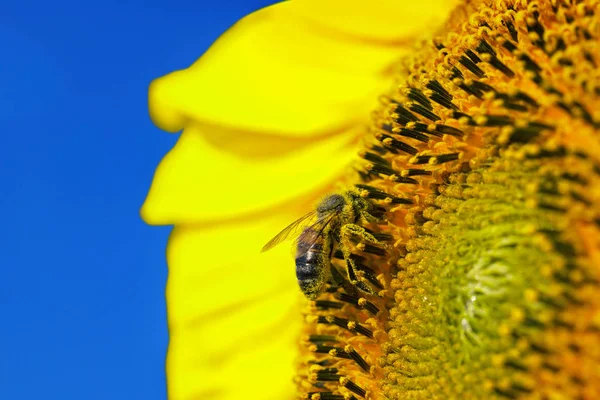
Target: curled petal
{"type": "Point", "coordinates": [271, 72]}
{"type": "Point", "coordinates": [198, 181]}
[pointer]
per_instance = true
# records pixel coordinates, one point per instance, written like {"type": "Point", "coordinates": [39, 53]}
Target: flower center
{"type": "Point", "coordinates": [487, 159]}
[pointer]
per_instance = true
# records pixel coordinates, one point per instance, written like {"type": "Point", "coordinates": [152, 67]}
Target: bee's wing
{"type": "Point", "coordinates": [314, 231]}
{"type": "Point", "coordinates": [294, 229]}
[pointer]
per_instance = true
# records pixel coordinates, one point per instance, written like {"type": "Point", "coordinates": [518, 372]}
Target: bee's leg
{"type": "Point", "coordinates": [369, 217]}
{"type": "Point", "coordinates": [355, 275]}
{"type": "Point", "coordinates": [350, 230]}
{"type": "Point", "coordinates": [355, 280]}
{"type": "Point", "coordinates": [338, 280]}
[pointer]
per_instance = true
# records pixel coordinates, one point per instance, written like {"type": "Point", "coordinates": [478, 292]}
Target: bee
{"type": "Point", "coordinates": [332, 224]}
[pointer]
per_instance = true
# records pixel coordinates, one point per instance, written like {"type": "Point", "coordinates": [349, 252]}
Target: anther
{"type": "Point", "coordinates": [324, 376]}
{"type": "Point", "coordinates": [550, 367]}
{"type": "Point", "coordinates": [456, 74]}
{"type": "Point", "coordinates": [434, 159]}
{"type": "Point", "coordinates": [520, 96]}
{"type": "Point", "coordinates": [331, 350]}
{"type": "Point", "coordinates": [439, 89]}
{"type": "Point", "coordinates": [403, 116]}
{"type": "Point", "coordinates": [539, 348]}
{"type": "Point", "coordinates": [585, 114]}
{"type": "Point", "coordinates": [356, 327]}
{"type": "Point", "coordinates": [534, 27]}
{"type": "Point", "coordinates": [511, 29]}
{"type": "Point", "coordinates": [328, 304]}
{"type": "Point", "coordinates": [415, 172]}
{"type": "Point", "coordinates": [505, 393]}
{"type": "Point", "coordinates": [534, 323]}
{"type": "Point", "coordinates": [380, 169]}
{"type": "Point", "coordinates": [499, 65]}
{"type": "Point", "coordinates": [558, 152]}
{"type": "Point", "coordinates": [419, 109]}
{"type": "Point", "coordinates": [520, 388]}
{"type": "Point", "coordinates": [418, 96]}
{"type": "Point", "coordinates": [409, 133]}
{"type": "Point", "coordinates": [530, 65]}
{"type": "Point", "coordinates": [321, 338]}
{"type": "Point", "coordinates": [471, 66]}
{"type": "Point", "coordinates": [360, 302]}
{"type": "Point", "coordinates": [460, 115]}
{"type": "Point", "coordinates": [374, 158]}
{"type": "Point", "coordinates": [320, 363]}
{"type": "Point", "coordinates": [353, 387]}
{"type": "Point", "coordinates": [508, 45]}
{"type": "Point", "coordinates": [367, 305]}
{"type": "Point", "coordinates": [315, 368]}
{"type": "Point", "coordinates": [401, 179]}
{"type": "Point", "coordinates": [527, 133]}
{"type": "Point", "coordinates": [389, 141]}
{"type": "Point", "coordinates": [468, 87]}
{"type": "Point", "coordinates": [383, 237]}
{"type": "Point", "coordinates": [513, 106]}
{"type": "Point", "coordinates": [378, 149]}
{"type": "Point", "coordinates": [349, 350]}
{"type": "Point", "coordinates": [589, 58]}
{"type": "Point", "coordinates": [423, 159]}
{"type": "Point", "coordinates": [514, 364]}
{"type": "Point", "coordinates": [442, 101]}
{"type": "Point", "coordinates": [448, 130]}
{"type": "Point", "coordinates": [493, 120]}
{"type": "Point", "coordinates": [369, 274]}
{"type": "Point", "coordinates": [345, 324]}
{"type": "Point", "coordinates": [484, 47]}
{"type": "Point", "coordinates": [472, 56]}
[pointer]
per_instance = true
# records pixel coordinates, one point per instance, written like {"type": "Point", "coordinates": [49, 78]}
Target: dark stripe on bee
{"type": "Point", "coordinates": [307, 262]}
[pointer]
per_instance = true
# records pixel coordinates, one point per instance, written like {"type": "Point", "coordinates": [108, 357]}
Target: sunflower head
{"type": "Point", "coordinates": [485, 157]}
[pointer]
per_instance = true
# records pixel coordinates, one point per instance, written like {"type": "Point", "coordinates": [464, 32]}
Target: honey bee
{"type": "Point", "coordinates": [331, 225]}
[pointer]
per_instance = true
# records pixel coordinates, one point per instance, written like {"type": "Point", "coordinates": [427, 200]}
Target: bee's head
{"type": "Point", "coordinates": [331, 203]}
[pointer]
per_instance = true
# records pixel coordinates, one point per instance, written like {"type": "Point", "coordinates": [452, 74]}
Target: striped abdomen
{"type": "Point", "coordinates": [311, 263]}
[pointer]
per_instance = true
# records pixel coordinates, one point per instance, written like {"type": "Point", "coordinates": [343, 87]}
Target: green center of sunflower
{"type": "Point", "coordinates": [487, 160]}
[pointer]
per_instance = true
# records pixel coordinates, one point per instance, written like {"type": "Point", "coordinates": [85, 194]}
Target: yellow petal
{"type": "Point", "coordinates": [200, 181]}
{"type": "Point", "coordinates": [383, 21]}
{"type": "Point", "coordinates": [233, 313]}
{"type": "Point", "coordinates": [270, 72]}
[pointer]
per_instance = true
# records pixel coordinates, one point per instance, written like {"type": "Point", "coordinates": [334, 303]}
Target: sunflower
{"type": "Point", "coordinates": [472, 128]}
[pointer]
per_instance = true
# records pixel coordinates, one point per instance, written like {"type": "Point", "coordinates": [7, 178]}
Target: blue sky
{"type": "Point", "coordinates": [82, 286]}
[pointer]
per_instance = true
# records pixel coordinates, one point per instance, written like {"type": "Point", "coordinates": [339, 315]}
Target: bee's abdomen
{"type": "Point", "coordinates": [310, 264]}
{"type": "Point", "coordinates": [307, 263]}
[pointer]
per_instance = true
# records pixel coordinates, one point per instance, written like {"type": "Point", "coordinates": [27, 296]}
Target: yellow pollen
{"type": "Point", "coordinates": [480, 277]}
